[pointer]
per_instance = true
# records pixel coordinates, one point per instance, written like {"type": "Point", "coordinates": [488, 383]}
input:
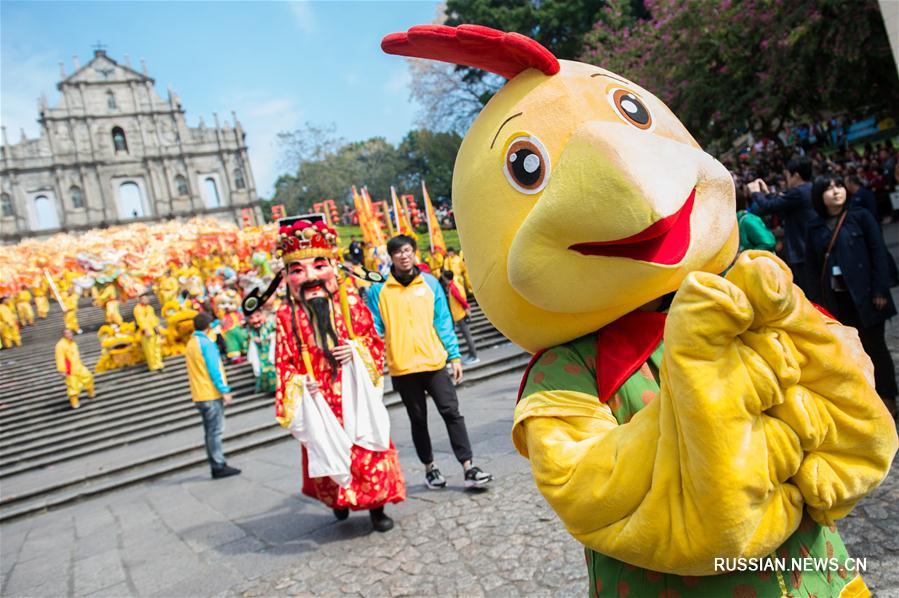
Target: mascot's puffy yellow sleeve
{"type": "Point", "coordinates": [765, 407]}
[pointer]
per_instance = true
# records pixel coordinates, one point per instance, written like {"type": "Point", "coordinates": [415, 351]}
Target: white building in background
{"type": "Point", "coordinates": [112, 151]}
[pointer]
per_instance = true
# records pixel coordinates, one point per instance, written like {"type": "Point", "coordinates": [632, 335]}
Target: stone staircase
{"type": "Point", "coordinates": [142, 424]}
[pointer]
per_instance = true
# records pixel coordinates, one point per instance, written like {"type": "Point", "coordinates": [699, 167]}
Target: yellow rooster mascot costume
{"type": "Point", "coordinates": [677, 418]}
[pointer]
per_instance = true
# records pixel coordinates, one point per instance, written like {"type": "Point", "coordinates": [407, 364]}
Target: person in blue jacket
{"type": "Point", "coordinates": [794, 206]}
{"type": "Point", "coordinates": [861, 196]}
{"type": "Point", "coordinates": [852, 280]}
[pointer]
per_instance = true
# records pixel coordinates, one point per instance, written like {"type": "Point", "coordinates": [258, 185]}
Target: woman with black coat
{"type": "Point", "coordinates": [846, 258]}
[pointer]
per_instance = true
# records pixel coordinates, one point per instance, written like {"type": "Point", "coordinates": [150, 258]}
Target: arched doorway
{"type": "Point", "coordinates": [131, 204]}
{"type": "Point", "coordinates": [211, 193]}
{"type": "Point", "coordinates": [45, 216]}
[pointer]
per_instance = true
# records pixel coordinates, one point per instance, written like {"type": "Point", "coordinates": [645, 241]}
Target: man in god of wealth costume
{"type": "Point", "coordinates": [330, 389]}
{"type": "Point", "coordinates": [741, 423]}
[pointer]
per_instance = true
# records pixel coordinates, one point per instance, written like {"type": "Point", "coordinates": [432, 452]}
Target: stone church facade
{"type": "Point", "coordinates": [113, 151]}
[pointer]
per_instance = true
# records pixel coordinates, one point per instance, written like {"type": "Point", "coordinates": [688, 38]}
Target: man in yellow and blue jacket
{"type": "Point", "coordinates": [210, 391]}
{"type": "Point", "coordinates": [410, 310]}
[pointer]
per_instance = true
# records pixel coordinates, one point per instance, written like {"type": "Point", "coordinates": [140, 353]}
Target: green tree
{"type": "Point", "coordinates": [560, 25]}
{"type": "Point", "coordinates": [322, 166]}
{"type": "Point", "coordinates": [429, 156]}
{"type": "Point", "coordinates": [726, 66]}
{"type": "Point", "coordinates": [331, 167]}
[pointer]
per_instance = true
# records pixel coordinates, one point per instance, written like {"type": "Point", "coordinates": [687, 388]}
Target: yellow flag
{"type": "Point", "coordinates": [401, 215]}
{"type": "Point", "coordinates": [371, 227]}
{"type": "Point", "coordinates": [435, 235]}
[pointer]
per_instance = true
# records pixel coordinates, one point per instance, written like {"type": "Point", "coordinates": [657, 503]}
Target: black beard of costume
{"type": "Point", "coordinates": [318, 310]}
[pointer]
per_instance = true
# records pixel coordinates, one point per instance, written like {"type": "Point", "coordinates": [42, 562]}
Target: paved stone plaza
{"type": "Point", "coordinates": [255, 535]}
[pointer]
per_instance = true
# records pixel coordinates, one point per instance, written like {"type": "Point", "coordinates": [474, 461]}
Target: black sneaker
{"type": "Point", "coordinates": [224, 472]}
{"type": "Point", "coordinates": [434, 479]}
{"type": "Point", "coordinates": [380, 522]}
{"type": "Point", "coordinates": [475, 477]}
{"type": "Point", "coordinates": [341, 514]}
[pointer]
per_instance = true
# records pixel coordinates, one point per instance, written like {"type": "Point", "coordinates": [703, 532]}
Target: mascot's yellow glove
{"type": "Point", "coordinates": [705, 471]}
{"type": "Point", "coordinates": [846, 431]}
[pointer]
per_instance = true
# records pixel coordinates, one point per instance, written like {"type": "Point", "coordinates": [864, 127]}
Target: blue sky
{"type": "Point", "coordinates": [277, 64]}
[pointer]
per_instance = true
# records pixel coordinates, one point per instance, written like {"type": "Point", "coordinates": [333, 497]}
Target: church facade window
{"type": "Point", "coordinates": [239, 181]}
{"type": "Point", "coordinates": [6, 205]}
{"type": "Point", "coordinates": [45, 216]}
{"type": "Point", "coordinates": [211, 193]}
{"type": "Point", "coordinates": [118, 139]}
{"type": "Point", "coordinates": [77, 197]}
{"type": "Point", "coordinates": [181, 186]}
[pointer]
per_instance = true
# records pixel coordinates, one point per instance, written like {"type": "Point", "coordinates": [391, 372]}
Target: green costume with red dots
{"type": "Point", "coordinates": [573, 366]}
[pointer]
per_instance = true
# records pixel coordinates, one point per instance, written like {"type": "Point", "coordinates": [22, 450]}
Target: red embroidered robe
{"type": "Point", "coordinates": [377, 476]}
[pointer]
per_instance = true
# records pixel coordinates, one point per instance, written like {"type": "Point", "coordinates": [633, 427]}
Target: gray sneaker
{"type": "Point", "coordinates": [470, 361]}
{"type": "Point", "coordinates": [475, 477]}
{"type": "Point", "coordinates": [434, 479]}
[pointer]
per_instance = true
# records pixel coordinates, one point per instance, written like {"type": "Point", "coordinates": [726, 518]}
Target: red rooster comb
{"type": "Point", "coordinates": [505, 54]}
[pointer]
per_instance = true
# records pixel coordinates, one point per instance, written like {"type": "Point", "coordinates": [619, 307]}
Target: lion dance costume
{"type": "Point", "coordinates": [671, 415]}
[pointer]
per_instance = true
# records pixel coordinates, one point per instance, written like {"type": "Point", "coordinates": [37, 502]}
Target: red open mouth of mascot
{"type": "Point", "coordinates": [665, 241]}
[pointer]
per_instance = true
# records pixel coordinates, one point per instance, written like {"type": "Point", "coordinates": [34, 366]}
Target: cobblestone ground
{"type": "Point", "coordinates": [507, 542]}
{"type": "Point", "coordinates": [872, 531]}
{"type": "Point", "coordinates": [502, 542]}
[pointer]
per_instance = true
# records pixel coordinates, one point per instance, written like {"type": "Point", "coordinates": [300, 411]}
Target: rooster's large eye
{"type": "Point", "coordinates": [631, 108]}
{"type": "Point", "coordinates": [526, 164]}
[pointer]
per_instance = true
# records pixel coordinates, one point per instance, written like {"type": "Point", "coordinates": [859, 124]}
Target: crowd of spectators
{"type": "Point", "coordinates": [824, 204]}
{"type": "Point", "coordinates": [870, 168]}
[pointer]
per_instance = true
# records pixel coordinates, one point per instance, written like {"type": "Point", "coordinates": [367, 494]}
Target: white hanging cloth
{"type": "Point", "coordinates": [316, 427]}
{"type": "Point", "coordinates": [365, 417]}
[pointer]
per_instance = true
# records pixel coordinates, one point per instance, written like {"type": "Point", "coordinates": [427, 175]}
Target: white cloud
{"type": "Point", "coordinates": [23, 80]}
{"type": "Point", "coordinates": [262, 116]}
{"type": "Point", "coordinates": [351, 78]}
{"type": "Point", "coordinates": [302, 15]}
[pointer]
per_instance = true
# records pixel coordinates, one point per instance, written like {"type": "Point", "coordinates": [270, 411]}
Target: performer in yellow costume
{"type": "Point", "coordinates": [41, 302]}
{"type": "Point", "coordinates": [148, 324]}
{"type": "Point", "coordinates": [23, 307]}
{"type": "Point", "coordinates": [68, 363]}
{"type": "Point", "coordinates": [108, 299]}
{"type": "Point", "coordinates": [455, 263]}
{"type": "Point", "coordinates": [682, 407]}
{"type": "Point", "coordinates": [70, 305]}
{"type": "Point", "coordinates": [9, 325]}
{"type": "Point", "coordinates": [168, 289]}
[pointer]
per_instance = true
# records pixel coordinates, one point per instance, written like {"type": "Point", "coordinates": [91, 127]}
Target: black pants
{"type": "Point", "coordinates": [412, 388]}
{"type": "Point", "coordinates": [875, 345]}
{"type": "Point", "coordinates": [464, 327]}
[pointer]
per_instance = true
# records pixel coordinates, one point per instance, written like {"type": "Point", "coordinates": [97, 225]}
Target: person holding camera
{"type": "Point", "coordinates": [794, 206]}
